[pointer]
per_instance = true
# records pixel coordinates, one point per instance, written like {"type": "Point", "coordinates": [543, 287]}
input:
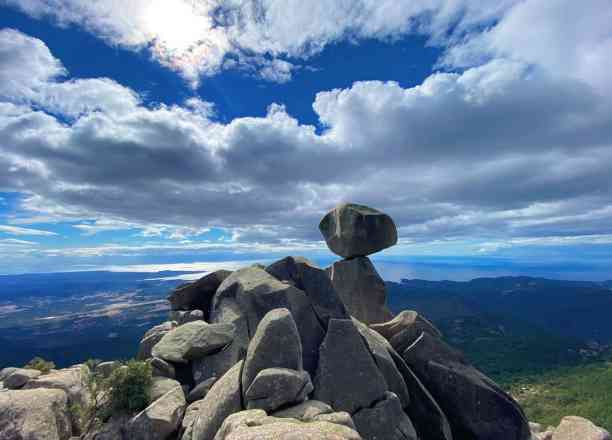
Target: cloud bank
{"type": "Point", "coordinates": [508, 145]}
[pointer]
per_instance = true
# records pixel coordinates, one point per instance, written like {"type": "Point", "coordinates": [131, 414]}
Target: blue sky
{"type": "Point", "coordinates": [216, 130]}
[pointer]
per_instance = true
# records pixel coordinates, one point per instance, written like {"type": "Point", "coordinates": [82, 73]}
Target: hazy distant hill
{"type": "Point", "coordinates": [511, 325]}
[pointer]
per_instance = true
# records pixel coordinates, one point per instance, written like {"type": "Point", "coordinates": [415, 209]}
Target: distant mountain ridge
{"type": "Point", "coordinates": [578, 309]}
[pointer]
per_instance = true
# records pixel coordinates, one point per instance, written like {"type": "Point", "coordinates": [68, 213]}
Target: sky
{"type": "Point", "coordinates": [155, 132]}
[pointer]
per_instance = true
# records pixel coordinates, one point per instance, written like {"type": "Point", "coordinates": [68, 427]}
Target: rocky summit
{"type": "Point", "coordinates": [289, 351]}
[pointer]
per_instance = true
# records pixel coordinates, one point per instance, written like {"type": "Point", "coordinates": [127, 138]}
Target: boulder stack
{"type": "Point", "coordinates": [293, 351]}
{"type": "Point", "coordinates": [354, 232]}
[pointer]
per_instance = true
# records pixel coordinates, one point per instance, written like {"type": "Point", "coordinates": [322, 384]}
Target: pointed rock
{"type": "Point", "coordinates": [347, 377]}
{"type": "Point", "coordinates": [257, 292]}
{"type": "Point", "coordinates": [352, 230]}
{"type": "Point", "coordinates": [361, 289]}
{"type": "Point", "coordinates": [427, 417]}
{"type": "Point", "coordinates": [276, 344]}
{"type": "Point", "coordinates": [379, 347]}
{"type": "Point", "coordinates": [405, 328]}
{"type": "Point", "coordinates": [476, 408]}
{"type": "Point", "coordinates": [306, 276]}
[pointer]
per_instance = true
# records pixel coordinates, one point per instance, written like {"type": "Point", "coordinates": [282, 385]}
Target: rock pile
{"type": "Point", "coordinates": [293, 351]}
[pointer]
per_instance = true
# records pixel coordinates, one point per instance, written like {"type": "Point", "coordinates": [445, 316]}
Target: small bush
{"type": "Point", "coordinates": [130, 387]}
{"type": "Point", "coordinates": [40, 364]}
{"type": "Point", "coordinates": [92, 363]}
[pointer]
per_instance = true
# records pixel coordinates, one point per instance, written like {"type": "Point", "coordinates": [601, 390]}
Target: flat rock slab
{"type": "Point", "coordinates": [352, 230]}
{"type": "Point", "coordinates": [276, 387]}
{"type": "Point", "coordinates": [40, 414]}
{"type": "Point", "coordinates": [361, 289]}
{"type": "Point", "coordinates": [256, 425]}
{"type": "Point", "coordinates": [476, 408]}
{"type": "Point", "coordinates": [193, 340]}
{"type": "Point", "coordinates": [347, 377]}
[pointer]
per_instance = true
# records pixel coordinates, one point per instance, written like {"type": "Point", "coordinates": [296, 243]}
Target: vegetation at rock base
{"type": "Point", "coordinates": [584, 391]}
{"type": "Point", "coordinates": [130, 386]}
{"type": "Point", "coordinates": [126, 390]}
{"type": "Point", "coordinates": [40, 364]}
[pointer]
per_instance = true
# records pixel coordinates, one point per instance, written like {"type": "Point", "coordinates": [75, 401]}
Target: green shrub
{"type": "Point", "coordinates": [130, 387]}
{"type": "Point", "coordinates": [92, 363]}
{"type": "Point", "coordinates": [40, 364]}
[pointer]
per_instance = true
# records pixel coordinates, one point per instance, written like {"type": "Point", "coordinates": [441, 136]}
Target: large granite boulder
{"type": "Point", "coordinates": [72, 381]}
{"type": "Point", "coordinates": [161, 419]}
{"type": "Point", "coordinates": [347, 377]}
{"type": "Point", "coordinates": [152, 337]}
{"type": "Point", "coordinates": [198, 294]}
{"type": "Point", "coordinates": [384, 420]}
{"type": "Point", "coordinates": [276, 387]}
{"type": "Point", "coordinates": [578, 428]}
{"type": "Point", "coordinates": [277, 329]}
{"type": "Point", "coordinates": [38, 414]}
{"type": "Point", "coordinates": [426, 415]}
{"type": "Point", "coordinates": [193, 340]}
{"type": "Point", "coordinates": [476, 408]}
{"type": "Point", "coordinates": [314, 281]}
{"type": "Point", "coordinates": [380, 349]}
{"type": "Point", "coordinates": [257, 425]}
{"type": "Point", "coordinates": [256, 292]}
{"type": "Point", "coordinates": [352, 230]}
{"type": "Point", "coordinates": [19, 377]}
{"type": "Point", "coordinates": [223, 399]}
{"type": "Point", "coordinates": [361, 289]}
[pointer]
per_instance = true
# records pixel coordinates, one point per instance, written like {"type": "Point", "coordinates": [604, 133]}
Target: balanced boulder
{"type": "Point", "coordinates": [352, 230]}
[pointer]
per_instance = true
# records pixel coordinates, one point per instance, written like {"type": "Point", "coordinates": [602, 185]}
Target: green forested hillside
{"type": "Point", "coordinates": [584, 391]}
